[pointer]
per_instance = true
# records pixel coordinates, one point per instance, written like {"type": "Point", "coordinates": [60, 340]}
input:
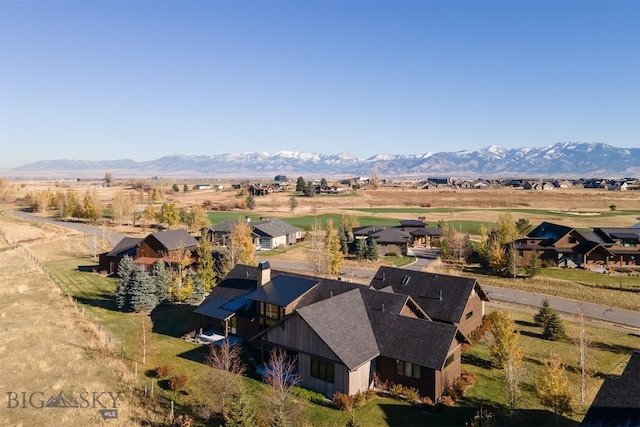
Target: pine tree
{"type": "Point", "coordinates": [125, 272]}
{"type": "Point", "coordinates": [160, 278]}
{"type": "Point", "coordinates": [240, 413]}
{"type": "Point", "coordinates": [352, 421]}
{"type": "Point", "coordinates": [534, 265]}
{"type": "Point", "coordinates": [554, 328]}
{"type": "Point", "coordinates": [250, 202]}
{"type": "Point", "coordinates": [361, 248]}
{"type": "Point", "coordinates": [142, 295]}
{"type": "Point", "coordinates": [371, 251]}
{"type": "Point", "coordinates": [198, 292]}
{"type": "Point", "coordinates": [301, 184]}
{"type": "Point", "coordinates": [542, 316]}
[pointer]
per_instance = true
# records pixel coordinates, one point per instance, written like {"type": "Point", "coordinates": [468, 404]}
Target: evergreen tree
{"type": "Point", "coordinates": [125, 272]}
{"type": "Point", "coordinates": [198, 291]}
{"type": "Point", "coordinates": [160, 278]}
{"type": "Point", "coordinates": [185, 188]}
{"type": "Point", "coordinates": [542, 316]}
{"type": "Point", "coordinates": [250, 202]}
{"type": "Point", "coordinates": [550, 322]}
{"type": "Point", "coordinates": [352, 421]}
{"type": "Point", "coordinates": [371, 250]}
{"type": "Point", "coordinates": [301, 184]}
{"type": "Point", "coordinates": [344, 239]}
{"type": "Point", "coordinates": [554, 328]}
{"type": "Point", "coordinates": [534, 265]}
{"type": "Point", "coordinates": [175, 188]}
{"type": "Point", "coordinates": [239, 414]}
{"type": "Point", "coordinates": [142, 293]}
{"type": "Point", "coordinates": [361, 248]}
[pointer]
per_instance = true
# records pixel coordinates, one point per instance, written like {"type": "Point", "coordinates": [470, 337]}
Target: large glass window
{"type": "Point", "coordinates": [407, 369]}
{"type": "Point", "coordinates": [270, 314]}
{"type": "Point", "coordinates": [322, 370]}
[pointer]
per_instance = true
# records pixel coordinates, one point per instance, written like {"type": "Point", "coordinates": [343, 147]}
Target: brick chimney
{"type": "Point", "coordinates": [264, 273]}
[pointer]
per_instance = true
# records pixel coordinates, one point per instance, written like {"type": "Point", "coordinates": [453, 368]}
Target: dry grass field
{"type": "Point", "coordinates": [47, 346]}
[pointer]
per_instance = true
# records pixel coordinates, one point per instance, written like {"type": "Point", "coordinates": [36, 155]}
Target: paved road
{"type": "Point", "coordinates": [423, 258]}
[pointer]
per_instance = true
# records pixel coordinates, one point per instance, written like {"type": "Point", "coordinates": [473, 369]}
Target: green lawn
{"type": "Point", "coordinates": [609, 351]}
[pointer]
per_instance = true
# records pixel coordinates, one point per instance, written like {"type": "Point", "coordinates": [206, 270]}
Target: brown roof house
{"type": "Point", "coordinates": [342, 333]}
{"type": "Point", "coordinates": [166, 245]}
{"type": "Point", "coordinates": [568, 247]}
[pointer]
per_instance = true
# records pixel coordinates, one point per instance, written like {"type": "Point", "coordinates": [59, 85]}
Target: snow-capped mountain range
{"type": "Point", "coordinates": [570, 159]}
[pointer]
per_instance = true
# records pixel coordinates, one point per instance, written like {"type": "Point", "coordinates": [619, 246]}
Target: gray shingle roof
{"type": "Point", "coordinates": [618, 400]}
{"type": "Point", "coordinates": [175, 239]}
{"type": "Point", "coordinates": [391, 235]}
{"type": "Point", "coordinates": [426, 288]}
{"type": "Point", "coordinates": [274, 227]}
{"type": "Point", "coordinates": [549, 231]}
{"type": "Point", "coordinates": [124, 246]}
{"type": "Point", "coordinates": [343, 324]}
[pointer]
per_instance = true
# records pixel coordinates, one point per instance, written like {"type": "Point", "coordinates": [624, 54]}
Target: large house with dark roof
{"type": "Point", "coordinates": [458, 301]}
{"type": "Point", "coordinates": [166, 245]}
{"type": "Point", "coordinates": [568, 247]}
{"type": "Point", "coordinates": [618, 400]}
{"type": "Point", "coordinates": [398, 239]}
{"type": "Point", "coordinates": [344, 333]}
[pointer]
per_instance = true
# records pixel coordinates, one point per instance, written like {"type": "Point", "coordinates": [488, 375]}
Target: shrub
{"type": "Point", "coordinates": [306, 394]}
{"type": "Point", "coordinates": [447, 401]}
{"type": "Point", "coordinates": [370, 394]}
{"type": "Point", "coordinates": [426, 401]}
{"type": "Point", "coordinates": [379, 383]}
{"type": "Point", "coordinates": [396, 390]}
{"type": "Point", "coordinates": [164, 371]}
{"type": "Point", "coordinates": [411, 394]}
{"type": "Point", "coordinates": [358, 400]}
{"type": "Point", "coordinates": [469, 378]}
{"type": "Point", "coordinates": [178, 382]}
{"type": "Point", "coordinates": [342, 401]}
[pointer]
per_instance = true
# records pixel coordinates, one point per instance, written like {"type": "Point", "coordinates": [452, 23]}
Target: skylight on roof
{"type": "Point", "coordinates": [405, 280]}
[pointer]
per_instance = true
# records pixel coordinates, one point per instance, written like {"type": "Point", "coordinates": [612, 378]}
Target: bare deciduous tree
{"type": "Point", "coordinates": [281, 375]}
{"type": "Point", "coordinates": [226, 378]}
{"type": "Point", "coordinates": [583, 341]}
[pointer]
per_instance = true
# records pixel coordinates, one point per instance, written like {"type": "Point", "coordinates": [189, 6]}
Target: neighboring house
{"type": "Point", "coordinates": [344, 333]}
{"type": "Point", "coordinates": [618, 400]}
{"type": "Point", "coordinates": [109, 261]}
{"type": "Point", "coordinates": [167, 245]}
{"type": "Point", "coordinates": [202, 187]}
{"type": "Point", "coordinates": [392, 241]}
{"type": "Point", "coordinates": [568, 247]}
{"type": "Point", "coordinates": [459, 301]}
{"type": "Point", "coordinates": [268, 233]}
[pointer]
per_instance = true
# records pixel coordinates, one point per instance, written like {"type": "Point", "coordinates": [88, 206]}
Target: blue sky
{"type": "Point", "coordinates": [142, 79]}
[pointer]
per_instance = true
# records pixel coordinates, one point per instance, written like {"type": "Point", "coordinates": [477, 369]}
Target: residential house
{"type": "Point", "coordinates": [344, 333]}
{"type": "Point", "coordinates": [568, 247]}
{"type": "Point", "coordinates": [267, 233]}
{"type": "Point", "coordinates": [617, 402]}
{"type": "Point", "coordinates": [458, 301]}
{"type": "Point", "coordinates": [168, 245]}
{"type": "Point", "coordinates": [109, 261]}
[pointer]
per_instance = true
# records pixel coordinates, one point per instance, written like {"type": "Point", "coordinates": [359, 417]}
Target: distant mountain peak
{"type": "Point", "coordinates": [562, 159]}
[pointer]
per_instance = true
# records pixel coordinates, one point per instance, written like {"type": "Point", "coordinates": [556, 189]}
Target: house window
{"type": "Point", "coordinates": [449, 360]}
{"type": "Point", "coordinates": [407, 369]}
{"type": "Point", "coordinates": [469, 315]}
{"type": "Point", "coordinates": [233, 325]}
{"type": "Point", "coordinates": [270, 314]}
{"type": "Point", "coordinates": [322, 370]}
